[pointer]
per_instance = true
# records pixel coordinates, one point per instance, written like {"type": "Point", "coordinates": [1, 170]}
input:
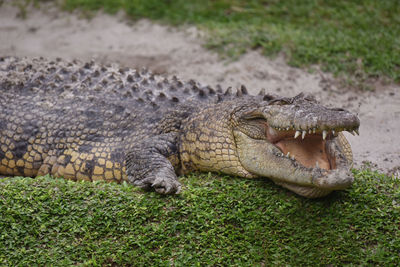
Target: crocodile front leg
{"type": "Point", "coordinates": [148, 165]}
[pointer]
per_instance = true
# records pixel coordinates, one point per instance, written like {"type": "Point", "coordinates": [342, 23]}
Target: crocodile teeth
{"type": "Point", "coordinates": [333, 132]}
{"type": "Point", "coordinates": [292, 157]}
{"type": "Point", "coordinates": [352, 132]}
{"type": "Point", "coordinates": [324, 134]}
{"type": "Point", "coordinates": [288, 154]}
{"type": "Point", "coordinates": [309, 131]}
{"type": "Point", "coordinates": [357, 132]}
{"type": "Point", "coordinates": [297, 134]}
{"type": "Point", "coordinates": [313, 130]}
{"type": "Point", "coordinates": [317, 165]}
{"type": "Point", "coordinates": [303, 134]}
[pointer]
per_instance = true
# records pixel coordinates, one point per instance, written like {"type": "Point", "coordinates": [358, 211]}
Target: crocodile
{"type": "Point", "coordinates": [89, 121]}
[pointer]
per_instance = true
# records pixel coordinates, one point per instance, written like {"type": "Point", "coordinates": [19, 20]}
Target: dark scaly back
{"type": "Point", "coordinates": [72, 89]}
{"type": "Point", "coordinates": [50, 106]}
{"type": "Point", "coordinates": [43, 79]}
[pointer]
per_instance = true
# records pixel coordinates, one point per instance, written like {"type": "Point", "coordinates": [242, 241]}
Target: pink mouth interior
{"type": "Point", "coordinates": [307, 151]}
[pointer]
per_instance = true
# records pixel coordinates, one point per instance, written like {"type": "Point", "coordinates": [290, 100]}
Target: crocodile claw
{"type": "Point", "coordinates": [162, 185]}
{"type": "Point", "coordinates": [166, 186]}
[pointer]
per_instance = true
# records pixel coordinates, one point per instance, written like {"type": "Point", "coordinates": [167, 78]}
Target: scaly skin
{"type": "Point", "coordinates": [90, 122]}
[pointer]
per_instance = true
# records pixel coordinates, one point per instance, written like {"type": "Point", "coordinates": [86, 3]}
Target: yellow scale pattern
{"type": "Point", "coordinates": [75, 120]}
{"type": "Point", "coordinates": [36, 161]}
{"type": "Point", "coordinates": [208, 146]}
{"type": "Point", "coordinates": [39, 150]}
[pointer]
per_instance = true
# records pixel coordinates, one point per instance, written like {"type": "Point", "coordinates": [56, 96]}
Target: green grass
{"type": "Point", "coordinates": [356, 39]}
{"type": "Point", "coordinates": [215, 221]}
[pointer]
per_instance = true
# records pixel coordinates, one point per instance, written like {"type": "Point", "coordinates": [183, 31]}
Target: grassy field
{"type": "Point", "coordinates": [357, 39]}
{"type": "Point", "coordinates": [215, 221]}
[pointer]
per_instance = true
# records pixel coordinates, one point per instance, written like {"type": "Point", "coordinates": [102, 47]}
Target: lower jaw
{"type": "Point", "coordinates": [305, 191]}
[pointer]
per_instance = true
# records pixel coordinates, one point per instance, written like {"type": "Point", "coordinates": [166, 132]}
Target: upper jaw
{"type": "Point", "coordinates": [310, 140]}
{"type": "Point", "coordinates": [307, 117]}
{"type": "Point", "coordinates": [276, 133]}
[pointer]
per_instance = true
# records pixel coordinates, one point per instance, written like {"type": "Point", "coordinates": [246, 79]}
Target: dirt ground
{"type": "Point", "coordinates": [169, 51]}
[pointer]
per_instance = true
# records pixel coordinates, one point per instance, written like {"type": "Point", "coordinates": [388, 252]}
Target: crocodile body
{"type": "Point", "coordinates": [84, 121]}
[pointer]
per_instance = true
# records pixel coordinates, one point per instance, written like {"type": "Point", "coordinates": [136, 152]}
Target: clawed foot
{"type": "Point", "coordinates": [162, 182]}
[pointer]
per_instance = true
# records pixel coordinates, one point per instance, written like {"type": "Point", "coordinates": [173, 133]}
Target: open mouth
{"type": "Point", "coordinates": [310, 148]}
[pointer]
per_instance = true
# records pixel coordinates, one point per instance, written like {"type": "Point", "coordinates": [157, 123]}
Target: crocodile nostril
{"type": "Point", "coordinates": [338, 109]}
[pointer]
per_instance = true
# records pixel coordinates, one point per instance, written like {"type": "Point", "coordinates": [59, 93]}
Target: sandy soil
{"type": "Point", "coordinates": [114, 39]}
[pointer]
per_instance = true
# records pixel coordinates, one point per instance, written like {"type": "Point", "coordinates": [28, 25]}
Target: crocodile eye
{"type": "Point", "coordinates": [255, 128]}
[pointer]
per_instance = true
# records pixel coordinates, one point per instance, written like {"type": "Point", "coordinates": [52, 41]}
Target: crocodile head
{"type": "Point", "coordinates": [296, 142]}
